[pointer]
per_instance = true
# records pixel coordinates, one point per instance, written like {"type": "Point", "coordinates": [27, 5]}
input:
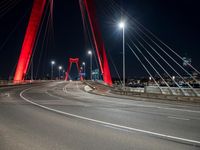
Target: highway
{"type": "Point", "coordinates": [63, 116]}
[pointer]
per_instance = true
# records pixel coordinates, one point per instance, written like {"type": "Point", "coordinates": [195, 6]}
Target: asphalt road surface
{"type": "Point", "coordinates": [62, 116]}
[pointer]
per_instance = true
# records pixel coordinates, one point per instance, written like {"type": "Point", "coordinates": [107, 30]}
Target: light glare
{"type": "Point", "coordinates": [60, 67]}
{"type": "Point", "coordinates": [52, 62]}
{"type": "Point", "coordinates": [121, 25]}
{"type": "Point", "coordinates": [90, 52]}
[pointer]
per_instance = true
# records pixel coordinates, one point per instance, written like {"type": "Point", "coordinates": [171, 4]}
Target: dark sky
{"type": "Point", "coordinates": [176, 22]}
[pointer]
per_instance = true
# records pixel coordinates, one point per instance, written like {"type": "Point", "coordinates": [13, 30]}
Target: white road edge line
{"type": "Point", "coordinates": [178, 118]}
{"type": "Point", "coordinates": [109, 124]}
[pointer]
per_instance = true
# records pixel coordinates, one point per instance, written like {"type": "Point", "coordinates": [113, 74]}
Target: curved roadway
{"type": "Point", "coordinates": [62, 116]}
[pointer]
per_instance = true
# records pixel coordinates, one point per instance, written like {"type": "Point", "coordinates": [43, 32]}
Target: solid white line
{"type": "Point", "coordinates": [178, 118]}
{"type": "Point", "coordinates": [110, 124]}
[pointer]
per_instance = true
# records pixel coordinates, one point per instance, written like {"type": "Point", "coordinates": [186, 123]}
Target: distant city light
{"type": "Point", "coordinates": [173, 77]}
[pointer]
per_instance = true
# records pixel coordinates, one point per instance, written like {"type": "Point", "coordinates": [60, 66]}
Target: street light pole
{"type": "Point", "coordinates": [124, 61]}
{"type": "Point", "coordinates": [83, 68]}
{"type": "Point", "coordinates": [59, 69]}
{"type": "Point", "coordinates": [32, 70]}
{"type": "Point", "coordinates": [90, 53]}
{"type": "Point", "coordinates": [52, 64]}
{"type": "Point", "coordinates": [122, 26]}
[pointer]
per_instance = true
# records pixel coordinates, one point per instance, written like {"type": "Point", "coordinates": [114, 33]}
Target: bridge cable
{"type": "Point", "coordinates": [5, 9]}
{"type": "Point", "coordinates": [162, 59]}
{"type": "Point", "coordinates": [148, 31]}
{"type": "Point", "coordinates": [146, 68]}
{"type": "Point", "coordinates": [170, 65]}
{"type": "Point", "coordinates": [151, 64]}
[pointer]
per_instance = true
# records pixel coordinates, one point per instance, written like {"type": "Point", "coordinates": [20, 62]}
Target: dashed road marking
{"type": "Point", "coordinates": [178, 118]}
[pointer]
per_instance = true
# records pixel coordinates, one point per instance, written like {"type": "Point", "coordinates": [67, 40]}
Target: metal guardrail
{"type": "Point", "coordinates": [165, 90]}
{"type": "Point", "coordinates": [152, 94]}
{"type": "Point", "coordinates": [158, 96]}
{"type": "Point", "coordinates": [6, 82]}
{"type": "Point", "coordinates": [10, 83]}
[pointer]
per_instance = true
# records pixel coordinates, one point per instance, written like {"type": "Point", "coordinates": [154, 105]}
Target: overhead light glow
{"type": "Point", "coordinates": [90, 52]}
{"type": "Point", "coordinates": [122, 25]}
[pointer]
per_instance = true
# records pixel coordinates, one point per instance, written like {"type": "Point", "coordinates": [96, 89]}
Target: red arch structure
{"type": "Point", "coordinates": [71, 61]}
{"type": "Point", "coordinates": [32, 31]}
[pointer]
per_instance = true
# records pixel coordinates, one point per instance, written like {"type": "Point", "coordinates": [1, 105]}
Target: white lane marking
{"type": "Point", "coordinates": [65, 88]}
{"type": "Point", "coordinates": [176, 109]}
{"type": "Point", "coordinates": [110, 124]}
{"type": "Point", "coordinates": [151, 106]}
{"type": "Point", "coordinates": [178, 118]}
{"type": "Point", "coordinates": [54, 96]}
{"type": "Point", "coordinates": [144, 106]}
{"type": "Point", "coordinates": [117, 128]}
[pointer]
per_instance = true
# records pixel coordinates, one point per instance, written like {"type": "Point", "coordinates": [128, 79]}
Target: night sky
{"type": "Point", "coordinates": [176, 22]}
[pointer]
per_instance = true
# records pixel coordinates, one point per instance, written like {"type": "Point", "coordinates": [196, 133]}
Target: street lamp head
{"type": "Point", "coordinates": [60, 67]}
{"type": "Point", "coordinates": [90, 52]}
{"type": "Point", "coordinates": [52, 62]}
{"type": "Point", "coordinates": [122, 25]}
{"type": "Point", "coordinates": [83, 63]}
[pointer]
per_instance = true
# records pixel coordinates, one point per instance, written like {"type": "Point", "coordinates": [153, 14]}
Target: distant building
{"type": "Point", "coordinates": [187, 61]}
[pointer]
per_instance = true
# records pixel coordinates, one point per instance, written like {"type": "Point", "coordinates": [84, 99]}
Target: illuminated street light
{"type": "Point", "coordinates": [122, 26]}
{"type": "Point", "coordinates": [63, 72]}
{"type": "Point", "coordinates": [83, 68]}
{"type": "Point", "coordinates": [52, 64]}
{"type": "Point", "coordinates": [59, 69]}
{"type": "Point", "coordinates": [90, 53]}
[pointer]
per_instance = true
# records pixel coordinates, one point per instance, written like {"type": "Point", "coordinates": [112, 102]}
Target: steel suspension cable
{"type": "Point", "coordinates": [151, 65]}
{"type": "Point", "coordinates": [4, 11]}
{"type": "Point", "coordinates": [195, 92]}
{"type": "Point", "coordinates": [148, 31]}
{"type": "Point", "coordinates": [145, 67]}
{"type": "Point", "coordinates": [159, 63]}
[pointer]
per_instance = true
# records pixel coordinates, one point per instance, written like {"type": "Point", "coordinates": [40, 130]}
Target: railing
{"type": "Point", "coordinates": [10, 82]}
{"type": "Point", "coordinates": [6, 82]}
{"type": "Point", "coordinates": [162, 90]}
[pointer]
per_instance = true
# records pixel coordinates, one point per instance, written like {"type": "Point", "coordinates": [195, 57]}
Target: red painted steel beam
{"type": "Point", "coordinates": [29, 40]}
{"type": "Point", "coordinates": [98, 41]}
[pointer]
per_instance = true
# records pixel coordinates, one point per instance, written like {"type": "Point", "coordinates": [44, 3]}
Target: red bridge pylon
{"type": "Point", "coordinates": [71, 61]}
{"type": "Point", "coordinates": [29, 40]}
